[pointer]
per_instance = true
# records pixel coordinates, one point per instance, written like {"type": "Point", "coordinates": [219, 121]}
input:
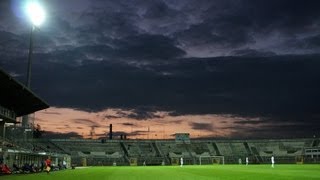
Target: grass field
{"type": "Point", "coordinates": [256, 172]}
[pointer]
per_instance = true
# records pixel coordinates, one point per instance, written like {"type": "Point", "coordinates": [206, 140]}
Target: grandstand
{"type": "Point", "coordinates": [16, 141]}
{"type": "Point", "coordinates": [16, 99]}
{"type": "Point", "coordinates": [156, 152]}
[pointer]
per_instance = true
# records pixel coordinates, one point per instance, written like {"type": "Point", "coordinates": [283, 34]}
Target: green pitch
{"type": "Point", "coordinates": [179, 173]}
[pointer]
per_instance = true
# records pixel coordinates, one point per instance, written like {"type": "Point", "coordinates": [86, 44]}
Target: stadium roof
{"type": "Point", "coordinates": [17, 97]}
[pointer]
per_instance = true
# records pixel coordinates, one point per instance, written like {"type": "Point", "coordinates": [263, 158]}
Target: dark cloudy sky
{"type": "Point", "coordinates": [214, 68]}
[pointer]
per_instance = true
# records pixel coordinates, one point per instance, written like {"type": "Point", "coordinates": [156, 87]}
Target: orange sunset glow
{"type": "Point", "coordinates": [65, 120]}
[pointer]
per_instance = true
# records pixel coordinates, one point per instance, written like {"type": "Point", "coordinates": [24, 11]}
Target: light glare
{"type": "Point", "coordinates": [36, 13]}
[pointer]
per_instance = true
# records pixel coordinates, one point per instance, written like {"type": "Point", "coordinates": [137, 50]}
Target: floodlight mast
{"type": "Point", "coordinates": [36, 14]}
{"type": "Point", "coordinates": [30, 58]}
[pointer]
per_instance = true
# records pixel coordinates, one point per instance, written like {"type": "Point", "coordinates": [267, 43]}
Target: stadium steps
{"type": "Point", "coordinates": [256, 155]}
{"type": "Point", "coordinates": [246, 145]}
{"type": "Point", "coordinates": [216, 149]}
{"type": "Point", "coordinates": [154, 145]}
{"type": "Point", "coordinates": [139, 148]}
{"type": "Point", "coordinates": [159, 153]}
{"type": "Point", "coordinates": [189, 152]}
{"type": "Point", "coordinates": [315, 143]}
{"type": "Point", "coordinates": [60, 148]}
{"type": "Point", "coordinates": [126, 153]}
{"type": "Point", "coordinates": [212, 151]}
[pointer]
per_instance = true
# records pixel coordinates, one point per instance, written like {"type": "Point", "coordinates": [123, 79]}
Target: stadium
{"type": "Point", "coordinates": [20, 148]}
{"type": "Point", "coordinates": [229, 88]}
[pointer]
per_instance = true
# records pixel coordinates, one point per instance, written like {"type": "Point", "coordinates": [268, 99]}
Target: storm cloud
{"type": "Point", "coordinates": [241, 58]}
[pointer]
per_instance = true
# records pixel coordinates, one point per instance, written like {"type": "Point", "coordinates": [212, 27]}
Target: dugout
{"type": "Point", "coordinates": [21, 157]}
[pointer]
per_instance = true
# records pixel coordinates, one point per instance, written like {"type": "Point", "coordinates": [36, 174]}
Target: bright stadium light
{"type": "Point", "coordinates": [36, 13]}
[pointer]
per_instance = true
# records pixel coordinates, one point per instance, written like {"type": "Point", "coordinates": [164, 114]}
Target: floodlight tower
{"type": "Point", "coordinates": [36, 14]}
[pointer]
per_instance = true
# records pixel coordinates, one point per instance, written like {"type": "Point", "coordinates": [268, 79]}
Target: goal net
{"type": "Point", "coordinates": [204, 160]}
{"type": "Point", "coordinates": [133, 161]}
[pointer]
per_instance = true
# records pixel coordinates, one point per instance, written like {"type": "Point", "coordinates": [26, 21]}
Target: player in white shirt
{"type": "Point", "coordinates": [272, 161]}
{"type": "Point", "coordinates": [181, 161]}
{"type": "Point", "coordinates": [247, 161]}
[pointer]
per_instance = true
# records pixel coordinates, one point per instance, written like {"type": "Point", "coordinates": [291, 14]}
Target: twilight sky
{"type": "Point", "coordinates": [212, 68]}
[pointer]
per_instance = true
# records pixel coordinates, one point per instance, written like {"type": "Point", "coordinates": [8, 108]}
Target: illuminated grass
{"type": "Point", "coordinates": [179, 173]}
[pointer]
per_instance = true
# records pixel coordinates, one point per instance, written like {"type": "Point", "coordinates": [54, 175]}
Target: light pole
{"type": "Point", "coordinates": [30, 58]}
{"type": "Point", "coordinates": [36, 14]}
